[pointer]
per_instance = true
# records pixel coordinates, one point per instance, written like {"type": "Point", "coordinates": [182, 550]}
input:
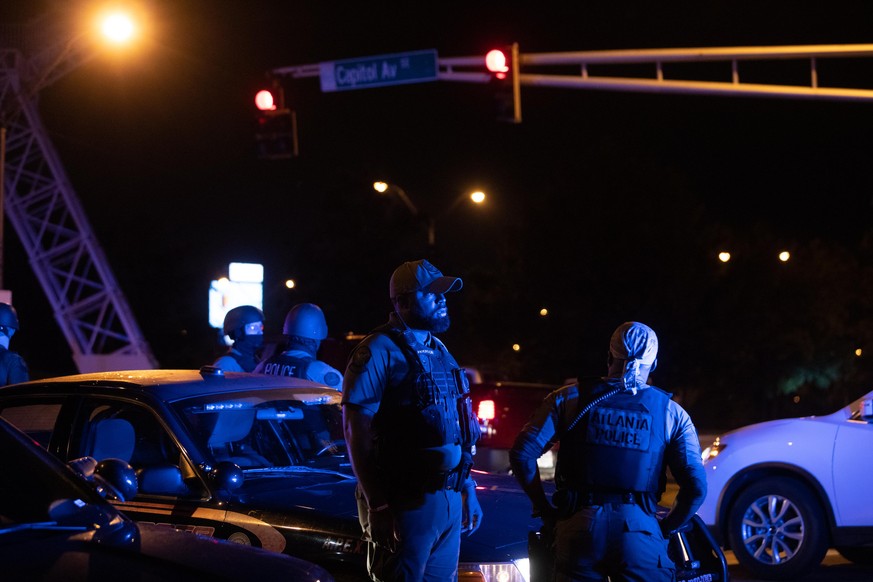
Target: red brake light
{"type": "Point", "coordinates": [486, 410]}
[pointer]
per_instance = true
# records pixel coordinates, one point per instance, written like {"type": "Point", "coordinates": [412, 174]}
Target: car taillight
{"type": "Point", "coordinates": [486, 410]}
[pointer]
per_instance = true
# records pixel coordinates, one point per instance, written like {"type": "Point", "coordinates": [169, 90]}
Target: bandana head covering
{"type": "Point", "coordinates": [637, 344]}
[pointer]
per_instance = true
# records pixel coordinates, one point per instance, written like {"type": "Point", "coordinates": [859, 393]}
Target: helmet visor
{"type": "Point", "coordinates": [254, 328]}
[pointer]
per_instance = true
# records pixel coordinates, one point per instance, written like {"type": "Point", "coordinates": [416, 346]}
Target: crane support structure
{"type": "Point", "coordinates": [49, 219]}
{"type": "Point", "coordinates": [713, 71]}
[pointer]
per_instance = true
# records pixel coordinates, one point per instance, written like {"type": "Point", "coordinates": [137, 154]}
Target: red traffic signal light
{"type": "Point", "coordinates": [265, 101]}
{"type": "Point", "coordinates": [503, 65]}
{"type": "Point", "coordinates": [497, 61]}
{"type": "Point", "coordinates": [276, 126]}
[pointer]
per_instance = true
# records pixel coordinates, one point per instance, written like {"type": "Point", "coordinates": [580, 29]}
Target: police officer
{"type": "Point", "coordinates": [13, 368]}
{"type": "Point", "coordinates": [245, 326]}
{"type": "Point", "coordinates": [305, 328]}
{"type": "Point", "coordinates": [611, 467]}
{"type": "Point", "coordinates": [410, 430]}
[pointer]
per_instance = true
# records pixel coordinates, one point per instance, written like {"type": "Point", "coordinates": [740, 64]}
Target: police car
{"type": "Point", "coordinates": [254, 459]}
{"type": "Point", "coordinates": [782, 492]}
{"type": "Point", "coordinates": [56, 526]}
{"type": "Point", "coordinates": [260, 460]}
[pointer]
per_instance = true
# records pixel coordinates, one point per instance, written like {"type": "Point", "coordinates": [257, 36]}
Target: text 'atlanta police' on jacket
{"type": "Point", "coordinates": [620, 428]}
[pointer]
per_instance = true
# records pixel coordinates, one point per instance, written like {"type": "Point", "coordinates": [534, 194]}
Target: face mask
{"type": "Point", "coordinates": [249, 342]}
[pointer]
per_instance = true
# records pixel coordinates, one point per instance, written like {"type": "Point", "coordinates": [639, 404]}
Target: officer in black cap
{"type": "Point", "coordinates": [13, 368]}
{"type": "Point", "coordinates": [617, 435]}
{"type": "Point", "coordinates": [410, 430]}
{"type": "Point", "coordinates": [245, 326]}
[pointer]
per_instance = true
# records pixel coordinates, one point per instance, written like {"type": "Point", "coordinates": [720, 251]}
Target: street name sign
{"type": "Point", "coordinates": [379, 71]}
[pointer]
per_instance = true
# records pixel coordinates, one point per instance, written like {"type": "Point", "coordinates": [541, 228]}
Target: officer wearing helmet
{"type": "Point", "coordinates": [617, 435]}
{"type": "Point", "coordinates": [13, 368]}
{"type": "Point", "coordinates": [410, 428]}
{"type": "Point", "coordinates": [304, 329]}
{"type": "Point", "coordinates": [245, 326]}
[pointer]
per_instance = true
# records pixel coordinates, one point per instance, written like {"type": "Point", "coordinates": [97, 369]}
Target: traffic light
{"type": "Point", "coordinates": [276, 129]}
{"type": "Point", "coordinates": [502, 63]}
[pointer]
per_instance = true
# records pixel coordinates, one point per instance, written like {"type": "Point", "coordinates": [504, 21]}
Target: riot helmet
{"type": "Point", "coordinates": [8, 319]}
{"type": "Point", "coordinates": [306, 320]}
{"type": "Point", "coordinates": [239, 318]}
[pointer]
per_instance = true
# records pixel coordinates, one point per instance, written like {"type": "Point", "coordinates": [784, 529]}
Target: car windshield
{"type": "Point", "coordinates": [269, 428]}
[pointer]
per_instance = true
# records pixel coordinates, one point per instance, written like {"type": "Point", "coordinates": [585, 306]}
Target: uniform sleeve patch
{"type": "Point", "coordinates": [332, 379]}
{"type": "Point", "coordinates": [360, 358]}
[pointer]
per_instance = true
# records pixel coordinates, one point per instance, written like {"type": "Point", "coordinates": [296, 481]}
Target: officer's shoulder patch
{"type": "Point", "coordinates": [332, 379]}
{"type": "Point", "coordinates": [360, 358]}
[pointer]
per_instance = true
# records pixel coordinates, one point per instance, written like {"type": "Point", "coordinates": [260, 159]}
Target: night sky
{"type": "Point", "coordinates": [602, 206]}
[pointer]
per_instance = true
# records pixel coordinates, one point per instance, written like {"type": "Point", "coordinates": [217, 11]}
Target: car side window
{"type": "Point", "coordinates": [36, 420]}
{"type": "Point", "coordinates": [132, 433]}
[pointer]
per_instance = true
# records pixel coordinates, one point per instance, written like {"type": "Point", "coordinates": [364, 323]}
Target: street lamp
{"type": "Point", "coordinates": [117, 27]}
{"type": "Point", "coordinates": [477, 197]}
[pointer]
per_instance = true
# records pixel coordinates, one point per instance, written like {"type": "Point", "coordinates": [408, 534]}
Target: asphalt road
{"type": "Point", "coordinates": [834, 568]}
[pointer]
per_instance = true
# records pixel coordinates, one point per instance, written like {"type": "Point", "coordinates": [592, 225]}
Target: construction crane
{"type": "Point", "coordinates": [42, 206]}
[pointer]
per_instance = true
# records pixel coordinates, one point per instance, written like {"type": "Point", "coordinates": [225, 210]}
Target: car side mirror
{"type": "Point", "coordinates": [867, 409]}
{"type": "Point", "coordinates": [226, 477]}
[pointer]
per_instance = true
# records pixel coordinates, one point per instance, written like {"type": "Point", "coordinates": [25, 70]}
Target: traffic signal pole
{"type": "Point", "coordinates": [596, 70]}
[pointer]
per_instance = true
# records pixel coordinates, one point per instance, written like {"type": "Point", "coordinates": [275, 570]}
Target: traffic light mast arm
{"type": "Point", "coordinates": [469, 69]}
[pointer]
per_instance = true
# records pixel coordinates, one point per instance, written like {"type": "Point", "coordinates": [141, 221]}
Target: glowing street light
{"type": "Point", "coordinates": [117, 27]}
{"type": "Point", "coordinates": [784, 256]}
{"type": "Point", "coordinates": [724, 256]}
{"type": "Point", "coordinates": [290, 284]}
{"type": "Point", "coordinates": [544, 312]}
{"type": "Point", "coordinates": [478, 197]}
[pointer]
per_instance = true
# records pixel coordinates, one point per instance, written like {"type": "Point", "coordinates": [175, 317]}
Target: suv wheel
{"type": "Point", "coordinates": [777, 529]}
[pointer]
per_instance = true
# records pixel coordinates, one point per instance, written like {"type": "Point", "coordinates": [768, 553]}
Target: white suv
{"type": "Point", "coordinates": [782, 492]}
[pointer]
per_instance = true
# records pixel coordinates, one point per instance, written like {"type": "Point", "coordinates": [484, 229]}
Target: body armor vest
{"type": "Point", "coordinates": [282, 365]}
{"type": "Point", "coordinates": [618, 446]}
{"type": "Point", "coordinates": [426, 409]}
{"type": "Point", "coordinates": [247, 362]}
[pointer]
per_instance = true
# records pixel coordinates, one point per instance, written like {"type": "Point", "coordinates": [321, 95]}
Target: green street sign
{"type": "Point", "coordinates": [379, 71]}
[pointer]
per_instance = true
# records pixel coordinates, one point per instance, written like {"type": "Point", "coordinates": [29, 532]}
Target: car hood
{"type": "Point", "coordinates": [220, 558]}
{"type": "Point", "coordinates": [781, 426]}
{"type": "Point", "coordinates": [155, 552]}
{"type": "Point", "coordinates": [501, 537]}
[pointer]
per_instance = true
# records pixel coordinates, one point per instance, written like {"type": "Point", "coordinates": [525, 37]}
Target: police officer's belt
{"type": "Point", "coordinates": [451, 481]}
{"type": "Point", "coordinates": [572, 500]}
{"type": "Point", "coordinates": [603, 497]}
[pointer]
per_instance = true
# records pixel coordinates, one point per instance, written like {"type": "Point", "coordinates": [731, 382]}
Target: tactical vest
{"type": "Point", "coordinates": [282, 365]}
{"type": "Point", "coordinates": [426, 409]}
{"type": "Point", "coordinates": [247, 362]}
{"type": "Point", "coordinates": [618, 446]}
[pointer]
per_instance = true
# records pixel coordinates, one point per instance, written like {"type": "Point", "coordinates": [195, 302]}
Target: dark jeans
{"type": "Point", "coordinates": [622, 541]}
{"type": "Point", "coordinates": [429, 544]}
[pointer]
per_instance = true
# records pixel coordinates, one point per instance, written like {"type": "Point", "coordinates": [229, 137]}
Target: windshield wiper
{"type": "Point", "coordinates": [298, 469]}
